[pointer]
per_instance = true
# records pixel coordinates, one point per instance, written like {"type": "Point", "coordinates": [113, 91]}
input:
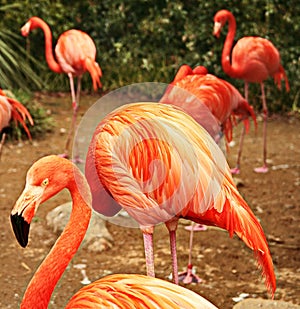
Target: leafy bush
{"type": "Point", "coordinates": [139, 41]}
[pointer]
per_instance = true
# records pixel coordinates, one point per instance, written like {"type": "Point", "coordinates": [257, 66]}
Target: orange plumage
{"type": "Point", "coordinates": [160, 165]}
{"type": "Point", "coordinates": [223, 100]}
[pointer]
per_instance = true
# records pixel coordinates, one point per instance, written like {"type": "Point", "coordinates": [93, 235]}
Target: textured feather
{"type": "Point", "coordinates": [136, 291]}
{"type": "Point", "coordinates": [158, 163]}
{"type": "Point", "coordinates": [11, 109]}
{"type": "Point", "coordinates": [220, 97]}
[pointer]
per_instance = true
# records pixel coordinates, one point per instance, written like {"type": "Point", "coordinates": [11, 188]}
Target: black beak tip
{"type": "Point", "coordinates": [20, 228]}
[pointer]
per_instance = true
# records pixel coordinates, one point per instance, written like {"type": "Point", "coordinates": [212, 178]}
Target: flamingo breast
{"type": "Point", "coordinates": [72, 49]}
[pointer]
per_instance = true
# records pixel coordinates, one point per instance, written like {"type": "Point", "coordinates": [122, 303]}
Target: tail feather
{"type": "Point", "coordinates": [95, 72]}
{"type": "Point", "coordinates": [237, 218]}
{"type": "Point", "coordinates": [21, 114]}
{"type": "Point", "coordinates": [281, 75]}
{"type": "Point", "coordinates": [244, 223]}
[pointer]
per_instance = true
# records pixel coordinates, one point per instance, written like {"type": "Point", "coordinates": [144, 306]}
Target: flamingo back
{"type": "Point", "coordinates": [255, 58]}
{"type": "Point", "coordinates": [136, 291]}
{"type": "Point", "coordinates": [223, 100]}
{"type": "Point", "coordinates": [143, 154]}
{"type": "Point", "coordinates": [71, 50]}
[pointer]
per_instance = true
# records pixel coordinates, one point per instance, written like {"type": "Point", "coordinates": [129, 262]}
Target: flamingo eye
{"type": "Point", "coordinates": [45, 182]}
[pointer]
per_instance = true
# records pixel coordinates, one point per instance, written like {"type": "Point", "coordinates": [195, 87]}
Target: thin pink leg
{"type": "Point", "coordinates": [236, 170]}
{"type": "Point", "coordinates": [77, 158]}
{"type": "Point", "coordinates": [174, 256]}
{"type": "Point", "coordinates": [264, 168]}
{"type": "Point", "coordinates": [148, 246]}
{"type": "Point", "coordinates": [2, 143]}
{"type": "Point", "coordinates": [74, 106]}
{"type": "Point", "coordinates": [188, 276]}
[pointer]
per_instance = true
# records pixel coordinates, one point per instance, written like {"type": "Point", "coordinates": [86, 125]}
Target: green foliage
{"type": "Point", "coordinates": [140, 41]}
{"type": "Point", "coordinates": [14, 71]}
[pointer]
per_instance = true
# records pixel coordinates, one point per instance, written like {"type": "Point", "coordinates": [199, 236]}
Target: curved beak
{"type": "Point", "coordinates": [217, 29]}
{"type": "Point", "coordinates": [20, 228]}
{"type": "Point", "coordinates": [26, 29]}
{"type": "Point", "coordinates": [23, 212]}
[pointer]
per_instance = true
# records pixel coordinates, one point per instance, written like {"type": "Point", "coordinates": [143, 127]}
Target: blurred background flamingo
{"type": "Point", "coordinates": [47, 177]}
{"type": "Point", "coordinates": [252, 59]}
{"type": "Point", "coordinates": [75, 54]}
{"type": "Point", "coordinates": [227, 106]}
{"type": "Point", "coordinates": [160, 165]}
{"type": "Point", "coordinates": [223, 100]}
{"type": "Point", "coordinates": [11, 109]}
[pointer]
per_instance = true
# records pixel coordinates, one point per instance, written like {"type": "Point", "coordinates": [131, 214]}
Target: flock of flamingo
{"type": "Point", "coordinates": [158, 161]}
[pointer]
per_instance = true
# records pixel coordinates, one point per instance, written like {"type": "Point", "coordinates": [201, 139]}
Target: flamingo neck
{"type": "Point", "coordinates": [42, 284]}
{"type": "Point", "coordinates": [226, 53]}
{"type": "Point", "coordinates": [52, 63]}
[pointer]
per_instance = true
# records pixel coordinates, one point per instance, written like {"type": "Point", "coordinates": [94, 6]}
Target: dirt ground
{"type": "Point", "coordinates": [227, 266]}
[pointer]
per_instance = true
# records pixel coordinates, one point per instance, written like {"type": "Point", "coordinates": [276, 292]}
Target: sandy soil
{"type": "Point", "coordinates": [227, 266]}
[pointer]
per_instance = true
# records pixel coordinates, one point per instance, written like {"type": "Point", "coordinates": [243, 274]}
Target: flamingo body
{"type": "Point", "coordinates": [160, 165]}
{"type": "Point", "coordinates": [252, 59]}
{"type": "Point", "coordinates": [46, 177]}
{"type": "Point", "coordinates": [223, 100]}
{"type": "Point", "coordinates": [75, 54]}
{"type": "Point", "coordinates": [75, 51]}
{"type": "Point", "coordinates": [11, 109]}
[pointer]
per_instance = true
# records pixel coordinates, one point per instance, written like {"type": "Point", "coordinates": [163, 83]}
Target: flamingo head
{"type": "Point", "coordinates": [219, 21]}
{"type": "Point", "coordinates": [26, 29]}
{"type": "Point", "coordinates": [32, 23]}
{"type": "Point", "coordinates": [45, 178]}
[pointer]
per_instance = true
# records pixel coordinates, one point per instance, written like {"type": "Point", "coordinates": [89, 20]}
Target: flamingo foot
{"type": "Point", "coordinates": [196, 228]}
{"type": "Point", "coordinates": [77, 160]}
{"type": "Point", "coordinates": [63, 155]}
{"type": "Point", "coordinates": [235, 171]}
{"type": "Point", "coordinates": [262, 170]}
{"type": "Point", "coordinates": [189, 276]}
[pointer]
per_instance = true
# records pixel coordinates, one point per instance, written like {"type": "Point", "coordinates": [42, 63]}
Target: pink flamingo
{"type": "Point", "coordinates": [160, 165]}
{"type": "Point", "coordinates": [11, 109]}
{"type": "Point", "coordinates": [252, 59]}
{"type": "Point", "coordinates": [75, 54]}
{"type": "Point", "coordinates": [48, 176]}
{"type": "Point", "coordinates": [223, 101]}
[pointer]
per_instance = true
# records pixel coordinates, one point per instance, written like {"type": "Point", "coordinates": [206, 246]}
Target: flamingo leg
{"type": "Point", "coordinates": [148, 246]}
{"type": "Point", "coordinates": [236, 170]}
{"type": "Point", "coordinates": [174, 256]}
{"type": "Point", "coordinates": [264, 168]}
{"type": "Point", "coordinates": [188, 276]}
{"type": "Point", "coordinates": [75, 103]}
{"type": "Point", "coordinates": [172, 226]}
{"type": "Point", "coordinates": [2, 143]}
{"type": "Point", "coordinates": [77, 158]}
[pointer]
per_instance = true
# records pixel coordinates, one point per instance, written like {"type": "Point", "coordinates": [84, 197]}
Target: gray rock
{"type": "Point", "coordinates": [97, 238]}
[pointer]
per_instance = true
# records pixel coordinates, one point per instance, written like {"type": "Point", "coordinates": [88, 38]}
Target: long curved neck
{"type": "Point", "coordinates": [52, 63]}
{"type": "Point", "coordinates": [226, 53]}
{"type": "Point", "coordinates": [42, 284]}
